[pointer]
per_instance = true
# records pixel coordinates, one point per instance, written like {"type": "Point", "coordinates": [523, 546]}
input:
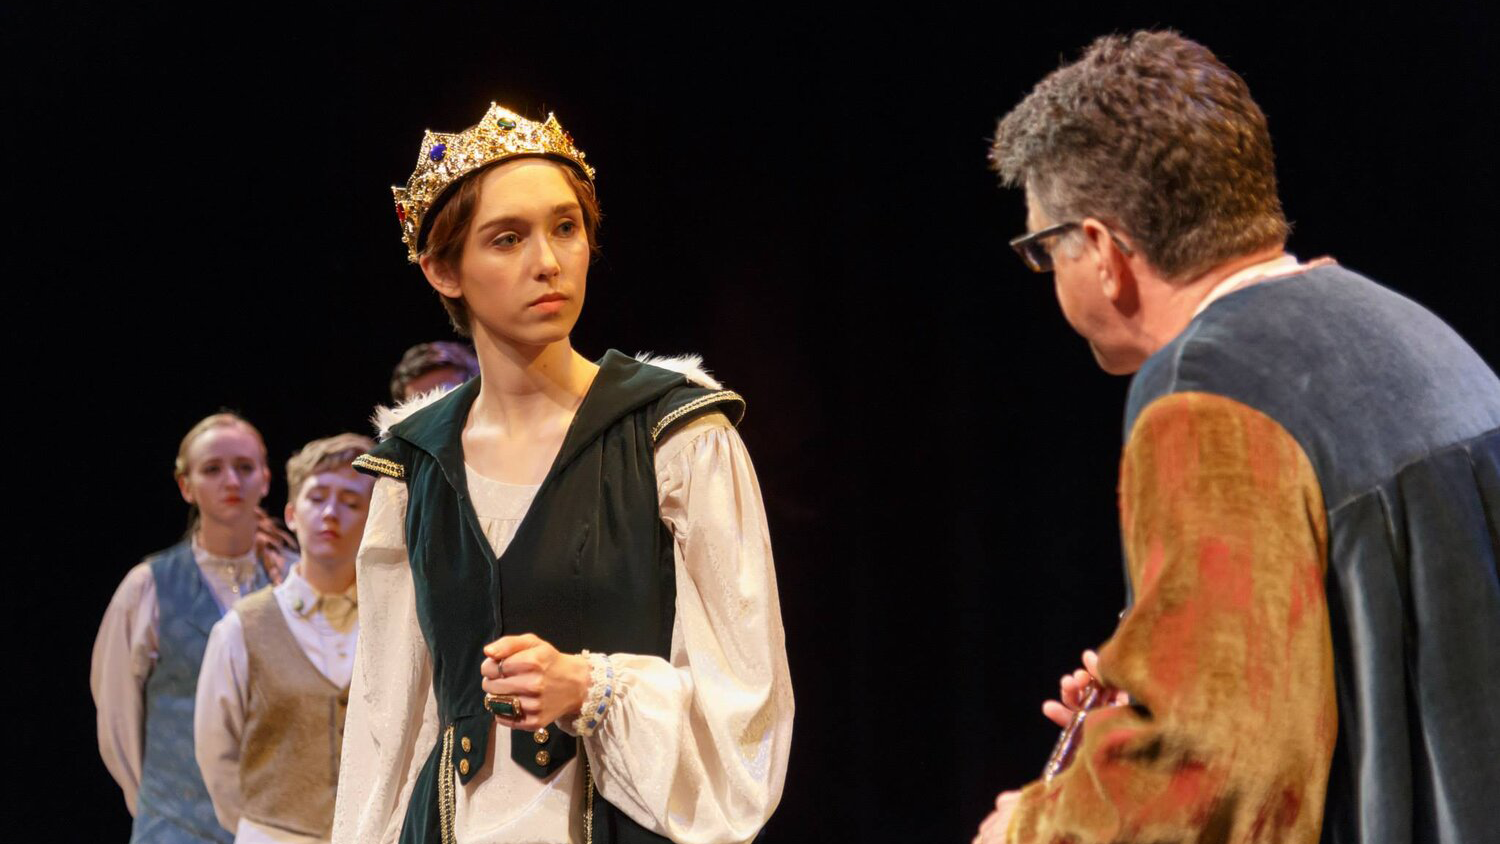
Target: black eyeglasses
{"type": "Point", "coordinates": [1038, 257]}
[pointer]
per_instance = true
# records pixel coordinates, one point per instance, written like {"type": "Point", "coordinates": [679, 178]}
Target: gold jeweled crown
{"type": "Point", "coordinates": [445, 159]}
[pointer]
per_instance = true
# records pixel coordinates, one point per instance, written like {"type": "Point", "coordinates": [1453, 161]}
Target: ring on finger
{"type": "Point", "coordinates": [504, 706]}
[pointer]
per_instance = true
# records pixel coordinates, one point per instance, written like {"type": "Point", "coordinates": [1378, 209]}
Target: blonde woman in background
{"type": "Point", "coordinates": [151, 641]}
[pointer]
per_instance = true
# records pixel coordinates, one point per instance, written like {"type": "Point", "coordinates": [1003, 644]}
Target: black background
{"type": "Point", "coordinates": [201, 219]}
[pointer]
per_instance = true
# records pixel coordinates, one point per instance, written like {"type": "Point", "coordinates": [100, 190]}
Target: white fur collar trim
{"type": "Point", "coordinates": [689, 366]}
{"type": "Point", "coordinates": [385, 418]}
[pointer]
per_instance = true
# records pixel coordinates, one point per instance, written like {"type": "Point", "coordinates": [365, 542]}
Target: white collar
{"type": "Point", "coordinates": [238, 563]}
{"type": "Point", "coordinates": [1282, 265]}
{"type": "Point", "coordinates": [301, 596]}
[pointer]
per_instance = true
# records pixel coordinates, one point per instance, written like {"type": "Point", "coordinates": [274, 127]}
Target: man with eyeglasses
{"type": "Point", "coordinates": [1309, 492]}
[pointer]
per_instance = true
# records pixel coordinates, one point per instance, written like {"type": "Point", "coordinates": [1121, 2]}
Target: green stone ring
{"type": "Point", "coordinates": [505, 706]}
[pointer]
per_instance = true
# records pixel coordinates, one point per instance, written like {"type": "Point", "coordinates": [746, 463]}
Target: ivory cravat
{"type": "Point", "coordinates": [341, 611]}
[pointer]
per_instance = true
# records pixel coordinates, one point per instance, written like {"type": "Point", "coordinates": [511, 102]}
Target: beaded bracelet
{"type": "Point", "coordinates": [601, 694]}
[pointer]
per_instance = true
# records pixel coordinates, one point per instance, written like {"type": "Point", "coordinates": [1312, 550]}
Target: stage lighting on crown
{"type": "Point", "coordinates": [445, 159]}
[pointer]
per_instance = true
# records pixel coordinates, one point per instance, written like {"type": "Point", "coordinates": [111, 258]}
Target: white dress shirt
{"type": "Point", "coordinates": [694, 747]}
{"type": "Point", "coordinates": [222, 704]}
{"type": "Point", "coordinates": [125, 652]}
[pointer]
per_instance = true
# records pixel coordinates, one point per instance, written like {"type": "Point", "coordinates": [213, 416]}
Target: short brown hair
{"type": "Point", "coordinates": [425, 357]}
{"type": "Point", "coordinates": [449, 230]}
{"type": "Point", "coordinates": [1153, 134]}
{"type": "Point", "coordinates": [333, 452]}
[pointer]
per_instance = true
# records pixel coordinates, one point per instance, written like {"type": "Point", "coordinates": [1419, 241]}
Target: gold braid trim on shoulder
{"type": "Point", "coordinates": [695, 404]}
{"type": "Point", "coordinates": [380, 465]}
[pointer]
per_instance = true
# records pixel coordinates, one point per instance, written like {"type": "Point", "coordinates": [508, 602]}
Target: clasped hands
{"type": "Point", "coordinates": [1072, 689]}
{"type": "Point", "coordinates": [550, 685]}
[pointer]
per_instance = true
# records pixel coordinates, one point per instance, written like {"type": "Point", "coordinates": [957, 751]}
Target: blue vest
{"type": "Point", "coordinates": [1400, 419]}
{"type": "Point", "coordinates": [173, 806]}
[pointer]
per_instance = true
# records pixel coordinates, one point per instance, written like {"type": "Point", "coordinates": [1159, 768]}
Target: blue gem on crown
{"type": "Point", "coordinates": [500, 135]}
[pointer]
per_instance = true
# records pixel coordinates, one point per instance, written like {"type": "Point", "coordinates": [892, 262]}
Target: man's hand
{"type": "Point", "coordinates": [1072, 689]}
{"type": "Point", "coordinates": [550, 685]}
{"type": "Point", "coordinates": [992, 830]}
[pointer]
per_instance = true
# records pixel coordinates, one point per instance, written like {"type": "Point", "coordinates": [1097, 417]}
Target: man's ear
{"type": "Point", "coordinates": [1117, 279]}
{"type": "Point", "coordinates": [440, 276]}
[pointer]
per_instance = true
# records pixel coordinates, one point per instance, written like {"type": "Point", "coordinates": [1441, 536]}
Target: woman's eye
{"type": "Point", "coordinates": [567, 228]}
{"type": "Point", "coordinates": [506, 240]}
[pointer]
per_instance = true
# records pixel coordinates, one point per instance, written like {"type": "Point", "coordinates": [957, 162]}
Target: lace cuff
{"type": "Point", "coordinates": [601, 695]}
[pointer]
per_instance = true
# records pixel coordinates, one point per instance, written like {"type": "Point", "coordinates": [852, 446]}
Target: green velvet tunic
{"type": "Point", "coordinates": [591, 565]}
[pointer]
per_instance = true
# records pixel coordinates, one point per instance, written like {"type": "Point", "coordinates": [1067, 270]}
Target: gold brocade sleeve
{"type": "Point", "coordinates": [1226, 653]}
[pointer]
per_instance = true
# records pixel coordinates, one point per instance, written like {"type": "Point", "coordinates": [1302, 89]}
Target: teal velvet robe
{"type": "Point", "coordinates": [591, 565]}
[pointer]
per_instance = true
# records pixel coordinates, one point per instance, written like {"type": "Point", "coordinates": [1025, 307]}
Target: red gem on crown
{"type": "Point", "coordinates": [401, 215]}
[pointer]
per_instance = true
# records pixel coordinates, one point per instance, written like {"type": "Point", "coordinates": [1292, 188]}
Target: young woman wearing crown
{"type": "Point", "coordinates": [570, 628]}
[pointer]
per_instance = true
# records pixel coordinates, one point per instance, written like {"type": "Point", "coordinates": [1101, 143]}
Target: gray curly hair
{"type": "Point", "coordinates": [1151, 134]}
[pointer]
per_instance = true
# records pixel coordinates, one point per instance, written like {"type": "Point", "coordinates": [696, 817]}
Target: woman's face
{"type": "Point", "coordinates": [328, 514]}
{"type": "Point", "coordinates": [226, 475]}
{"type": "Point", "coordinates": [526, 258]}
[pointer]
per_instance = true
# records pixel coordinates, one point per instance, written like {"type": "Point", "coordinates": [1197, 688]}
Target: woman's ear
{"type": "Point", "coordinates": [440, 276]}
{"type": "Point", "coordinates": [185, 488]}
